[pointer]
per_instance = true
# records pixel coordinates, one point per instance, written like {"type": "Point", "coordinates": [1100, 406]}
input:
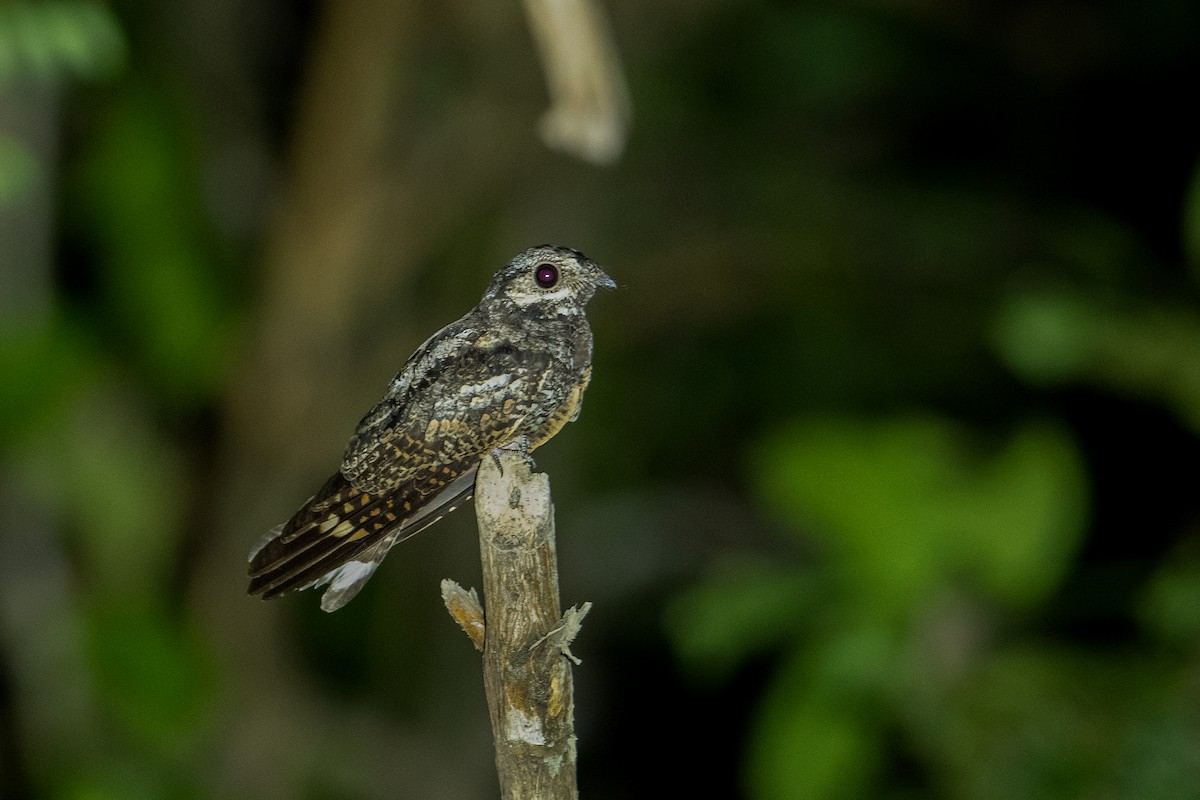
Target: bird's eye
{"type": "Point", "coordinates": [546, 275]}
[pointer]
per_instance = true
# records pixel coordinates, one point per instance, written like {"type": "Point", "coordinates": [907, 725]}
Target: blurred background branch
{"type": "Point", "coordinates": [589, 113]}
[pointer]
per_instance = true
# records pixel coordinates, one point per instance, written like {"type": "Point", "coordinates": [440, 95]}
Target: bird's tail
{"type": "Point", "coordinates": [342, 533]}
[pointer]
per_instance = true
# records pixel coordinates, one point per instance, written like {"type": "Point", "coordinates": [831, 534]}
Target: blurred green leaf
{"type": "Point", "coordinates": [1171, 604]}
{"type": "Point", "coordinates": [1047, 338]}
{"type": "Point", "coordinates": [19, 171]}
{"type": "Point", "coordinates": [1024, 518]}
{"type": "Point", "coordinates": [57, 37]}
{"type": "Point", "coordinates": [119, 483]}
{"type": "Point", "coordinates": [1151, 352]}
{"type": "Point", "coordinates": [108, 781]}
{"type": "Point", "coordinates": [152, 674]}
{"type": "Point", "coordinates": [44, 363]}
{"type": "Point", "coordinates": [909, 505]}
{"type": "Point", "coordinates": [159, 273]}
{"type": "Point", "coordinates": [1044, 724]}
{"type": "Point", "coordinates": [808, 742]}
{"type": "Point", "coordinates": [741, 609]}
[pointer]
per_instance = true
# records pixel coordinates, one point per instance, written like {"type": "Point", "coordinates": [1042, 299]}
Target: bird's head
{"type": "Point", "coordinates": [549, 279]}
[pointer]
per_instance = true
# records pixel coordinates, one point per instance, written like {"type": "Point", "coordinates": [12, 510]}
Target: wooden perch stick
{"type": "Point", "coordinates": [526, 641]}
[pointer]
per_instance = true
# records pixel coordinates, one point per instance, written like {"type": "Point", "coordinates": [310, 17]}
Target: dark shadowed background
{"type": "Point", "coordinates": [885, 485]}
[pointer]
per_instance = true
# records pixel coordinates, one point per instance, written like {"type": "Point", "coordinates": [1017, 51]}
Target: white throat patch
{"type": "Point", "coordinates": [525, 299]}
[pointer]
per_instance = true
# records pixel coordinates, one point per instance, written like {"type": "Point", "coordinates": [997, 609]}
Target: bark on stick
{"type": "Point", "coordinates": [526, 642]}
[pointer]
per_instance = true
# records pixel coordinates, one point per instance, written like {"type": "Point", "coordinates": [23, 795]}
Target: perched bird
{"type": "Point", "coordinates": [509, 374]}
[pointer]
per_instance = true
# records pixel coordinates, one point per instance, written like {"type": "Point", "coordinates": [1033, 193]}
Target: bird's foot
{"type": "Point", "coordinates": [521, 446]}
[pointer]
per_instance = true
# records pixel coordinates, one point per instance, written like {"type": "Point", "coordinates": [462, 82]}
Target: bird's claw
{"type": "Point", "coordinates": [521, 446]}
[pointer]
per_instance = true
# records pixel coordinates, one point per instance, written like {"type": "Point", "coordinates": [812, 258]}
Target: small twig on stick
{"type": "Point", "coordinates": [463, 605]}
{"type": "Point", "coordinates": [526, 641]}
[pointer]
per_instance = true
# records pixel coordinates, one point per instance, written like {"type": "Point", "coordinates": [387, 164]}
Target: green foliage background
{"type": "Point", "coordinates": [885, 486]}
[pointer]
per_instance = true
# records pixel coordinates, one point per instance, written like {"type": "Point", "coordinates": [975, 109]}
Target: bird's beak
{"type": "Point", "coordinates": [603, 281]}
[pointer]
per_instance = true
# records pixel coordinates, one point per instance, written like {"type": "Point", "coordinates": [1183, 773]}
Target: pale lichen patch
{"type": "Point", "coordinates": [522, 727]}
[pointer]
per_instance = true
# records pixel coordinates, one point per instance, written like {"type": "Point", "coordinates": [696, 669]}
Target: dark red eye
{"type": "Point", "coordinates": [546, 275]}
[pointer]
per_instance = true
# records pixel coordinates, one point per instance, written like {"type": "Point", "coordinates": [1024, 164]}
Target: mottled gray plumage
{"type": "Point", "coordinates": [511, 373]}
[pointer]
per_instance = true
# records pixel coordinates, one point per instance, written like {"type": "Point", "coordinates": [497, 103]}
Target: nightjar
{"type": "Point", "coordinates": [510, 373]}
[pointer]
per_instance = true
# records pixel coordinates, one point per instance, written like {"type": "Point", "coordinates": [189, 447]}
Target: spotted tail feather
{"type": "Point", "coordinates": [341, 535]}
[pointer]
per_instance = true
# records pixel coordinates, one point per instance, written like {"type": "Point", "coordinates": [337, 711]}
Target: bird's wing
{"type": "Point", "coordinates": [412, 459]}
{"type": "Point", "coordinates": [462, 393]}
